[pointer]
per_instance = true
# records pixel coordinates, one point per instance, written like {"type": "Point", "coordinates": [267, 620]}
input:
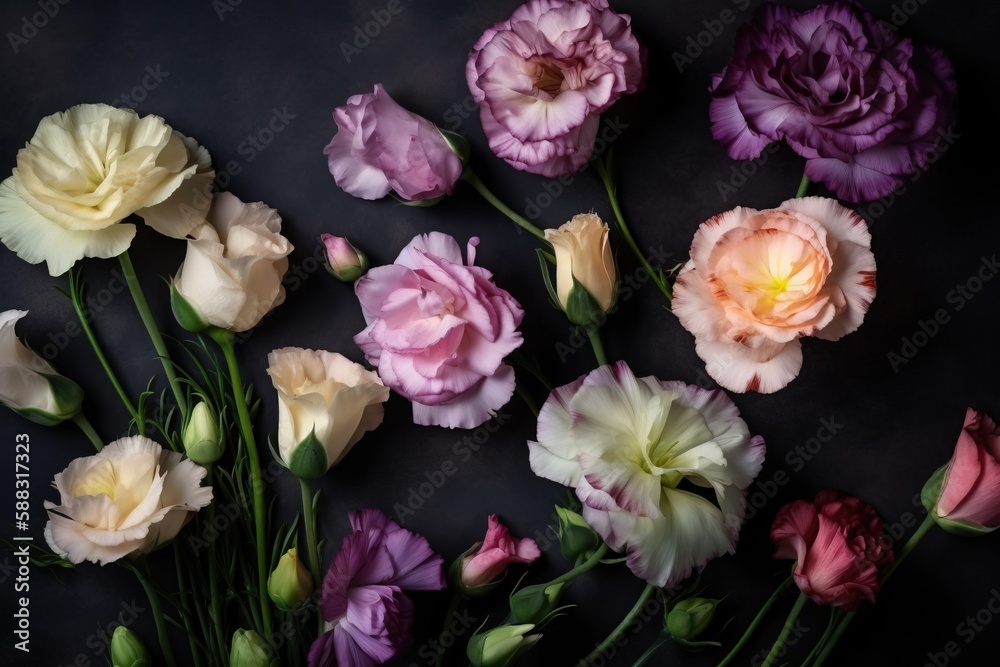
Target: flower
{"type": "Point", "coordinates": [626, 444]}
{"type": "Point", "coordinates": [543, 77]}
{"type": "Point", "coordinates": [130, 498]}
{"type": "Point", "coordinates": [583, 258]}
{"type": "Point", "coordinates": [249, 650]}
{"type": "Point", "coordinates": [757, 281]}
{"type": "Point", "coordinates": [863, 106]}
{"type": "Point", "coordinates": [28, 384]}
{"type": "Point", "coordinates": [963, 496]}
{"type": "Point", "coordinates": [343, 260]}
{"type": "Point", "coordinates": [689, 618]}
{"type": "Point", "coordinates": [231, 275]}
{"type": "Point", "coordinates": [326, 402]}
{"type": "Point", "coordinates": [290, 584]}
{"type": "Point", "coordinates": [495, 554]}
{"type": "Point", "coordinates": [502, 646]}
{"type": "Point", "coordinates": [438, 331]}
{"type": "Point", "coordinates": [838, 544]}
{"type": "Point", "coordinates": [368, 618]}
{"type": "Point", "coordinates": [88, 168]}
{"type": "Point", "coordinates": [380, 146]}
{"type": "Point", "coordinates": [127, 650]}
{"type": "Point", "coordinates": [202, 437]}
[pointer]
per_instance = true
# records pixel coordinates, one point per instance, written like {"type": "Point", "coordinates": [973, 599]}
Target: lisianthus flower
{"type": "Point", "coordinates": [368, 618]}
{"type": "Point", "coordinates": [758, 281]}
{"type": "Point", "coordinates": [627, 444]}
{"type": "Point", "coordinates": [543, 77]}
{"type": "Point", "coordinates": [863, 106]}
{"type": "Point", "coordinates": [838, 544]}
{"type": "Point", "coordinates": [495, 554]}
{"type": "Point", "coordinates": [438, 331]}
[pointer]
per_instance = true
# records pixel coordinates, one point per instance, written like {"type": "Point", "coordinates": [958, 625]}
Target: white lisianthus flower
{"type": "Point", "coordinates": [326, 402]}
{"type": "Point", "coordinates": [630, 446]}
{"type": "Point", "coordinates": [231, 276]}
{"type": "Point", "coordinates": [130, 498]}
{"type": "Point", "coordinates": [88, 168]}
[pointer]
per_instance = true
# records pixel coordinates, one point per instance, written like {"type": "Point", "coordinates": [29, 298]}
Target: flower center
{"type": "Point", "coordinates": [549, 78]}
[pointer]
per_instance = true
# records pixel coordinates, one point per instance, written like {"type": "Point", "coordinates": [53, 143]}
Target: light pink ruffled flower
{"type": "Point", "coordinates": [543, 77]}
{"type": "Point", "coordinates": [970, 488]}
{"type": "Point", "coordinates": [438, 332]}
{"type": "Point", "coordinates": [627, 444]}
{"type": "Point", "coordinates": [758, 281]}
{"type": "Point", "coordinates": [495, 554]}
{"type": "Point", "coordinates": [380, 146]}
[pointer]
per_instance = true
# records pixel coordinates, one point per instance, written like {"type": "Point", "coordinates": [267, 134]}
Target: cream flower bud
{"type": "Point", "coordinates": [583, 259]}
{"type": "Point", "coordinates": [501, 646]}
{"type": "Point", "coordinates": [203, 439]}
{"type": "Point", "coordinates": [343, 260]}
{"type": "Point", "coordinates": [127, 650]}
{"type": "Point", "coordinates": [28, 384]}
{"type": "Point", "coordinates": [326, 402]}
{"type": "Point", "coordinates": [249, 650]}
{"type": "Point", "coordinates": [290, 584]}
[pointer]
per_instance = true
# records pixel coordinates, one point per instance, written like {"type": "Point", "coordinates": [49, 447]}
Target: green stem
{"type": "Point", "coordinates": [154, 333]}
{"type": "Point", "coordinates": [803, 187]}
{"type": "Point", "coordinates": [472, 179]}
{"type": "Point", "coordinates": [528, 400]}
{"type": "Point", "coordinates": [650, 652]}
{"type": "Point", "coordinates": [594, 333]}
{"type": "Point", "coordinates": [779, 643]}
{"type": "Point", "coordinates": [76, 298]}
{"type": "Point", "coordinates": [456, 600]}
{"type": "Point", "coordinates": [81, 420]}
{"type": "Point", "coordinates": [620, 630]}
{"type": "Point", "coordinates": [213, 584]}
{"type": "Point", "coordinates": [586, 566]}
{"type": "Point", "coordinates": [830, 627]}
{"type": "Point", "coordinates": [142, 572]}
{"type": "Point", "coordinates": [225, 340]}
{"type": "Point", "coordinates": [609, 186]}
{"type": "Point", "coordinates": [312, 545]}
{"type": "Point", "coordinates": [185, 614]}
{"type": "Point", "coordinates": [775, 596]}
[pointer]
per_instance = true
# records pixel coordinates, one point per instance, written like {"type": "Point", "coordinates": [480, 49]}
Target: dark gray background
{"type": "Point", "coordinates": [226, 74]}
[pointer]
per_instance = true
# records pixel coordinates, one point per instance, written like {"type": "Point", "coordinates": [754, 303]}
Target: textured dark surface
{"type": "Point", "coordinates": [225, 74]}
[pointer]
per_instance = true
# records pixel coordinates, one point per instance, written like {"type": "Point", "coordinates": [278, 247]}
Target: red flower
{"type": "Point", "coordinates": [837, 542]}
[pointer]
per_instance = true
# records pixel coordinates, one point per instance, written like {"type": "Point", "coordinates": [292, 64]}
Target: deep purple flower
{"type": "Point", "coordinates": [862, 105]}
{"type": "Point", "coordinates": [368, 618]}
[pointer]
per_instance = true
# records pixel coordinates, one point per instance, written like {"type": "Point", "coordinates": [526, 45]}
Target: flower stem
{"type": "Point", "coordinates": [594, 333]}
{"type": "Point", "coordinates": [81, 420]}
{"type": "Point", "coordinates": [650, 652]}
{"type": "Point", "coordinates": [225, 340]}
{"type": "Point", "coordinates": [528, 400]}
{"type": "Point", "coordinates": [472, 179]}
{"type": "Point", "coordinates": [779, 643]}
{"type": "Point", "coordinates": [775, 596]}
{"type": "Point", "coordinates": [831, 626]}
{"type": "Point", "coordinates": [803, 187]}
{"type": "Point", "coordinates": [154, 333]}
{"type": "Point", "coordinates": [142, 572]}
{"type": "Point", "coordinates": [213, 585]}
{"type": "Point", "coordinates": [620, 630]}
{"type": "Point", "coordinates": [583, 567]}
{"type": "Point", "coordinates": [312, 545]}
{"type": "Point", "coordinates": [185, 614]}
{"type": "Point", "coordinates": [655, 274]}
{"type": "Point", "coordinates": [456, 600]}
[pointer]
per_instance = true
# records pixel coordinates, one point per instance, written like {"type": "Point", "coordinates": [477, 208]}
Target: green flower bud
{"type": "Point", "coordinates": [345, 262]}
{"type": "Point", "coordinates": [577, 540]}
{"type": "Point", "coordinates": [532, 604]}
{"type": "Point", "coordinates": [249, 650]}
{"type": "Point", "coordinates": [203, 439]}
{"type": "Point", "coordinates": [127, 650]}
{"type": "Point", "coordinates": [290, 585]}
{"type": "Point", "coordinates": [500, 646]}
{"type": "Point", "coordinates": [689, 618]}
{"type": "Point", "coordinates": [185, 313]}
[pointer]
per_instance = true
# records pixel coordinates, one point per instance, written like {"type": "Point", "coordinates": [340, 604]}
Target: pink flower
{"type": "Point", "coordinates": [438, 332]}
{"type": "Point", "coordinates": [543, 77]}
{"type": "Point", "coordinates": [368, 618]}
{"type": "Point", "coordinates": [969, 499]}
{"type": "Point", "coordinates": [495, 554]}
{"type": "Point", "coordinates": [758, 281]}
{"type": "Point", "coordinates": [838, 543]}
{"type": "Point", "coordinates": [380, 146]}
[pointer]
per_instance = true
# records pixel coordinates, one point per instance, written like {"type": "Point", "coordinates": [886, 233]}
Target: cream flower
{"type": "Point", "coordinates": [757, 281]}
{"type": "Point", "coordinates": [90, 167]}
{"type": "Point", "coordinates": [234, 265]}
{"type": "Point", "coordinates": [131, 497]}
{"type": "Point", "coordinates": [627, 444]}
{"type": "Point", "coordinates": [326, 402]}
{"type": "Point", "coordinates": [583, 255]}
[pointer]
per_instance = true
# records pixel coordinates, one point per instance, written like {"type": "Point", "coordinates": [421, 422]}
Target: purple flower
{"type": "Point", "coordinates": [864, 107]}
{"type": "Point", "coordinates": [380, 146]}
{"type": "Point", "coordinates": [368, 618]}
{"type": "Point", "coordinates": [543, 77]}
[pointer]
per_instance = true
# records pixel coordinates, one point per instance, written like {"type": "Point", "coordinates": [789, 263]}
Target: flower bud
{"type": "Point", "coordinates": [202, 435]}
{"type": "Point", "coordinates": [249, 650]}
{"type": "Point", "coordinates": [186, 314]}
{"type": "Point", "coordinates": [500, 646]}
{"type": "Point", "coordinates": [290, 585]}
{"type": "Point", "coordinates": [577, 540]}
{"type": "Point", "coordinates": [533, 604]}
{"type": "Point", "coordinates": [127, 650]}
{"type": "Point", "coordinates": [343, 260]}
{"type": "Point", "coordinates": [586, 279]}
{"type": "Point", "coordinates": [480, 569]}
{"type": "Point", "coordinates": [689, 618]}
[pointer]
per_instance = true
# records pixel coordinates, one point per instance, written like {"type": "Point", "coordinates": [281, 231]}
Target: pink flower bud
{"type": "Point", "coordinates": [344, 261]}
{"type": "Point", "coordinates": [497, 552]}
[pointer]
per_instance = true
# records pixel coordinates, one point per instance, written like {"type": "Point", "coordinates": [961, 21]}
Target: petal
{"type": "Point", "coordinates": [416, 566]}
{"type": "Point", "coordinates": [963, 472]}
{"type": "Point", "coordinates": [740, 369]}
{"type": "Point", "coordinates": [554, 456]}
{"type": "Point", "coordinates": [473, 407]}
{"type": "Point", "coordinates": [729, 127]}
{"type": "Point", "coordinates": [348, 651]}
{"type": "Point", "coordinates": [321, 653]}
